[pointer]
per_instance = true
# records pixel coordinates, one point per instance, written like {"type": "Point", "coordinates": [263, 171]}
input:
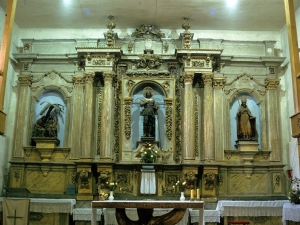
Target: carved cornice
{"type": "Point", "coordinates": [148, 32]}
{"type": "Point", "coordinates": [25, 80]}
{"type": "Point", "coordinates": [272, 83]}
{"type": "Point", "coordinates": [248, 77]}
{"type": "Point", "coordinates": [78, 81]}
{"type": "Point", "coordinates": [208, 78]}
{"type": "Point", "coordinates": [219, 82]}
{"type": "Point", "coordinates": [188, 77]}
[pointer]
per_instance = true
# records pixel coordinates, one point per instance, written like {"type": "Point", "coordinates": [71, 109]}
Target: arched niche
{"type": "Point", "coordinates": [51, 96]}
{"type": "Point", "coordinates": [137, 119]}
{"type": "Point", "coordinates": [254, 107]}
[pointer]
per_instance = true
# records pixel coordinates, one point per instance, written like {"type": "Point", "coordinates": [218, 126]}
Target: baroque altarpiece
{"type": "Point", "coordinates": [79, 115]}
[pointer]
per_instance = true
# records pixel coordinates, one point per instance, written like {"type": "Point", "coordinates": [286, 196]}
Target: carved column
{"type": "Point", "coordinates": [21, 135]}
{"type": "Point", "coordinates": [208, 117]}
{"type": "Point", "coordinates": [107, 119]}
{"type": "Point", "coordinates": [188, 141]}
{"type": "Point", "coordinates": [87, 116]}
{"type": "Point", "coordinates": [76, 121]}
{"type": "Point", "coordinates": [218, 83]}
{"type": "Point", "coordinates": [273, 114]}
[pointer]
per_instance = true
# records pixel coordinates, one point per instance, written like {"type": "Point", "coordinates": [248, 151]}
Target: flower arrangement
{"type": "Point", "coordinates": [294, 194]}
{"type": "Point", "coordinates": [148, 154]}
{"type": "Point", "coordinates": [182, 185]}
{"type": "Point", "coordinates": [111, 186]}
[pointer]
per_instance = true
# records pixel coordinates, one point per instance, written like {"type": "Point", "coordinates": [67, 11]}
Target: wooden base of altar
{"type": "Point", "coordinates": [145, 211]}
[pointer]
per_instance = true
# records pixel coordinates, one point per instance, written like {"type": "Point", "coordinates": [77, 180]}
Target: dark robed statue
{"type": "Point", "coordinates": [245, 122]}
{"type": "Point", "coordinates": [148, 112]}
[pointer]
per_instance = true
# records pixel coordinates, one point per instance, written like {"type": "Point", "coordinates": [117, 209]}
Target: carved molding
{"type": "Point", "coordinates": [100, 105]}
{"type": "Point", "coordinates": [272, 83]}
{"type": "Point", "coordinates": [148, 62]}
{"type": "Point", "coordinates": [177, 122]}
{"type": "Point", "coordinates": [78, 81]}
{"type": "Point", "coordinates": [127, 113]}
{"type": "Point", "coordinates": [169, 119]}
{"type": "Point", "coordinates": [108, 76]}
{"type": "Point", "coordinates": [149, 74]}
{"type": "Point", "coordinates": [89, 77]}
{"type": "Point", "coordinates": [196, 125]}
{"type": "Point", "coordinates": [129, 85]}
{"type": "Point", "coordinates": [117, 120]}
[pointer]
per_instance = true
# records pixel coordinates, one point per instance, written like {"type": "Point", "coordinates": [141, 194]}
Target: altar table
{"type": "Point", "coordinates": [290, 212]}
{"type": "Point", "coordinates": [145, 210]}
{"type": "Point", "coordinates": [110, 215]}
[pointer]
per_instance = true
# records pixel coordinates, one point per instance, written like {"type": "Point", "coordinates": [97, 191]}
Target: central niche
{"type": "Point", "coordinates": [137, 119]}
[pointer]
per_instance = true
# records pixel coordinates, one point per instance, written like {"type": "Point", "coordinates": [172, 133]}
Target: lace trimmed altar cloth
{"type": "Point", "coordinates": [251, 208]}
{"type": "Point", "coordinates": [210, 216]}
{"type": "Point", "coordinates": [85, 214]}
{"type": "Point", "coordinates": [46, 205]}
{"type": "Point", "coordinates": [290, 212]}
{"type": "Point", "coordinates": [110, 215]}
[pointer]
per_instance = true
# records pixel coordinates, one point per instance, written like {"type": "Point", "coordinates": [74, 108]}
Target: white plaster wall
{"type": "Point", "coordinates": [10, 102]}
{"type": "Point", "coordinates": [290, 149]}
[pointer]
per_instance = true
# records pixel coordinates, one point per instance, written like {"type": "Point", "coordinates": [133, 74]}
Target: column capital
{"type": "Point", "coordinates": [108, 76]}
{"type": "Point", "coordinates": [272, 83]}
{"type": "Point", "coordinates": [219, 82]}
{"type": "Point", "coordinates": [188, 77]}
{"type": "Point", "coordinates": [25, 80]}
{"type": "Point", "coordinates": [78, 81]}
{"type": "Point", "coordinates": [88, 77]}
{"type": "Point", "coordinates": [207, 78]}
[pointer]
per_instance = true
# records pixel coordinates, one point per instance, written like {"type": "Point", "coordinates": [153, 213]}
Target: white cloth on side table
{"type": "Point", "coordinates": [85, 214]}
{"type": "Point", "coordinates": [210, 216]}
{"type": "Point", "coordinates": [290, 212]}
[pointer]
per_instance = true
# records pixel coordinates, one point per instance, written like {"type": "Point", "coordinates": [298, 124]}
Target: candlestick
{"type": "Point", "coordinates": [192, 193]}
{"type": "Point", "coordinates": [198, 193]}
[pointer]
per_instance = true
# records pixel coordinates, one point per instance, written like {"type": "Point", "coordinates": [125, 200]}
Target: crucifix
{"type": "Point", "coordinates": [15, 217]}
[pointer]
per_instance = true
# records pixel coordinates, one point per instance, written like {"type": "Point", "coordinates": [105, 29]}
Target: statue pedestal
{"type": "Point", "coordinates": [247, 149]}
{"type": "Point", "coordinates": [46, 147]}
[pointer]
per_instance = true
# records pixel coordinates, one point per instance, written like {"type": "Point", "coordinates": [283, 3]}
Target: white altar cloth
{"type": "Point", "coordinates": [290, 212]}
{"type": "Point", "coordinates": [46, 205]}
{"type": "Point", "coordinates": [85, 214]}
{"type": "Point", "coordinates": [110, 215]}
{"type": "Point", "coordinates": [148, 182]}
{"type": "Point", "coordinates": [210, 216]}
{"type": "Point", "coordinates": [251, 208]}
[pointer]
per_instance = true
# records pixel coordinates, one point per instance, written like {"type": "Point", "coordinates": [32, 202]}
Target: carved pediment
{"type": "Point", "coordinates": [147, 31]}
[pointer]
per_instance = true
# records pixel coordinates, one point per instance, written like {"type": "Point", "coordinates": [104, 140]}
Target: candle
{"type": "Point", "coordinates": [198, 193]}
{"type": "Point", "coordinates": [192, 193]}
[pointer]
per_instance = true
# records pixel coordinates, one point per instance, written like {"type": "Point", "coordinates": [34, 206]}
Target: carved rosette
{"type": "Point", "coordinates": [188, 77]}
{"type": "Point", "coordinates": [25, 80]}
{"type": "Point", "coordinates": [272, 83]}
{"type": "Point", "coordinates": [219, 82]}
{"type": "Point", "coordinates": [169, 118]}
{"type": "Point", "coordinates": [207, 78]}
{"type": "Point", "coordinates": [127, 109]}
{"type": "Point", "coordinates": [196, 125]}
{"type": "Point", "coordinates": [78, 81]}
{"type": "Point", "coordinates": [148, 62]}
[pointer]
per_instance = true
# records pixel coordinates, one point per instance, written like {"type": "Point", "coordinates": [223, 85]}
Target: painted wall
{"type": "Point", "coordinates": [290, 149]}
{"type": "Point", "coordinates": [10, 102]}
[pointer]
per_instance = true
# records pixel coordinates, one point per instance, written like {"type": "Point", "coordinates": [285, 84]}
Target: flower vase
{"type": "Point", "coordinates": [111, 196]}
{"type": "Point", "coordinates": [182, 198]}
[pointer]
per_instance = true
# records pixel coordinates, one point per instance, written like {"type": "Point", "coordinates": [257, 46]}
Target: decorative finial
{"type": "Point", "coordinates": [111, 23]}
{"type": "Point", "coordinates": [186, 24]}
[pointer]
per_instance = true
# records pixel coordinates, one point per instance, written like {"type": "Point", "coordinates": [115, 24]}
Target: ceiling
{"type": "Point", "coordinates": [247, 15]}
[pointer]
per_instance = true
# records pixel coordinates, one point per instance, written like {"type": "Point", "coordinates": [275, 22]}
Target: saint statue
{"type": "Point", "coordinates": [245, 122]}
{"type": "Point", "coordinates": [148, 112]}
